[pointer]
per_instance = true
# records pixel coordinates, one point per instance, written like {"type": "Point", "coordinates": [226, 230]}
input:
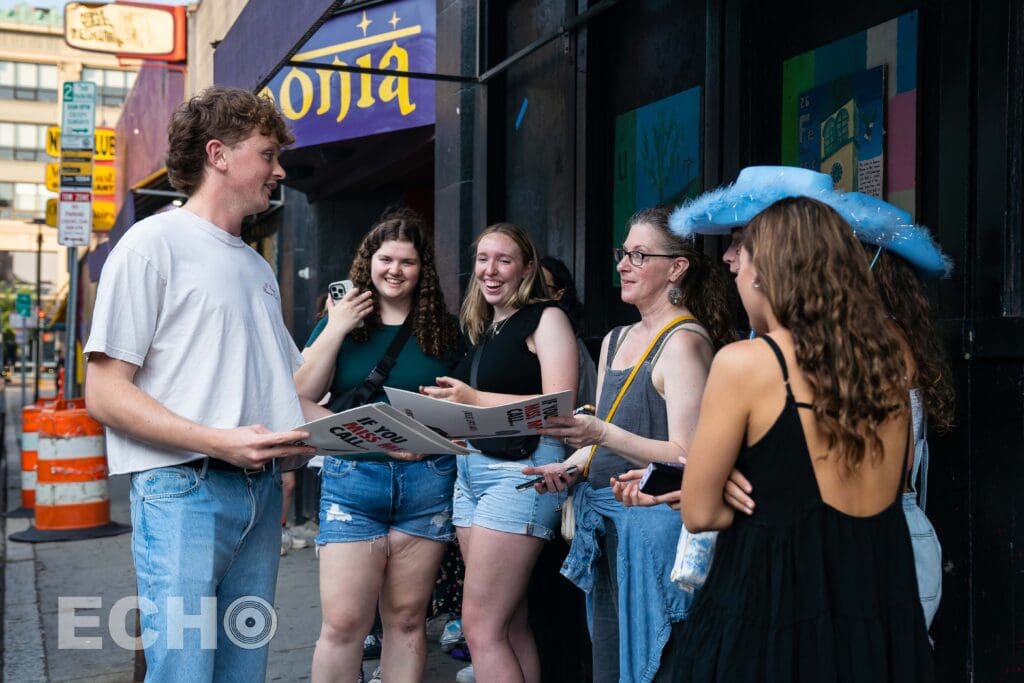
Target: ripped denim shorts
{"type": "Point", "coordinates": [361, 500]}
{"type": "Point", "coordinates": [486, 495]}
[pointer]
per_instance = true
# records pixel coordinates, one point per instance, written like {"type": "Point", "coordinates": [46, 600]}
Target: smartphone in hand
{"type": "Point", "coordinates": [526, 485]}
{"type": "Point", "coordinates": [661, 478]}
{"type": "Point", "coordinates": [339, 289]}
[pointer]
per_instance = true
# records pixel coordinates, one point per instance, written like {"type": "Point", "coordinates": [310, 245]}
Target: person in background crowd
{"type": "Point", "coordinates": [384, 521]}
{"type": "Point", "coordinates": [181, 290]}
{"type": "Point", "coordinates": [818, 583]}
{"type": "Point", "coordinates": [522, 344]}
{"type": "Point", "coordinates": [614, 556]}
{"type": "Point", "coordinates": [562, 289]}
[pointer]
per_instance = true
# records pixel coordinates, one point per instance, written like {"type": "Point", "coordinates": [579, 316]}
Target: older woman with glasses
{"type": "Point", "coordinates": [622, 556]}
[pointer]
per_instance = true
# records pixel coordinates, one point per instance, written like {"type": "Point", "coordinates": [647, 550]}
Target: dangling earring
{"type": "Point", "coordinates": [675, 296]}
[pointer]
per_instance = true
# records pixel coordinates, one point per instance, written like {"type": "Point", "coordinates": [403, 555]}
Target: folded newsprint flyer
{"type": "Point", "coordinates": [461, 421]}
{"type": "Point", "coordinates": [375, 428]}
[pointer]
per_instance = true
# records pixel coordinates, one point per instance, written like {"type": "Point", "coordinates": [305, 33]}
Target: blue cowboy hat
{"type": "Point", "coordinates": [874, 221]}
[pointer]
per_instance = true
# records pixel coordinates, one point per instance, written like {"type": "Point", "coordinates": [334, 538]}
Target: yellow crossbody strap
{"type": "Point", "coordinates": [629, 380]}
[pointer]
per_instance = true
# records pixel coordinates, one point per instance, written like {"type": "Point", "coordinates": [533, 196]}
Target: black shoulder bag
{"type": "Point", "coordinates": [374, 382]}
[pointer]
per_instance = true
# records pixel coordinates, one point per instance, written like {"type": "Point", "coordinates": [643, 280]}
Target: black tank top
{"type": "Point", "coordinates": [507, 366]}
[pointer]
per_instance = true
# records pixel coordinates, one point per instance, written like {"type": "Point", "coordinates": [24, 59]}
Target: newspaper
{"type": "Point", "coordinates": [375, 428]}
{"type": "Point", "coordinates": [461, 421]}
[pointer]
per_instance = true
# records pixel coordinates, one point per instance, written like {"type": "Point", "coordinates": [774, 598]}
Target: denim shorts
{"type": "Point", "coordinates": [486, 495]}
{"type": "Point", "coordinates": [927, 556]}
{"type": "Point", "coordinates": [361, 500]}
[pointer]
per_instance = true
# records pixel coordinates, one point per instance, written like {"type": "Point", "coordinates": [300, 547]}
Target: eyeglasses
{"type": "Point", "coordinates": [636, 258]}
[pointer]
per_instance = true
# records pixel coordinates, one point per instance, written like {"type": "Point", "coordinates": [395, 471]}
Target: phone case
{"type": "Point", "coordinates": [661, 478]}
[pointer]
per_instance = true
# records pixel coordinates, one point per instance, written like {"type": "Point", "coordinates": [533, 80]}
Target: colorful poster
{"type": "Point", "coordinates": [657, 157]}
{"type": "Point", "coordinates": [841, 131]}
{"type": "Point", "coordinates": [892, 44]}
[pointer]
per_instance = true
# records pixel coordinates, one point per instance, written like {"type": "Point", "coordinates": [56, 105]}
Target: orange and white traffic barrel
{"type": "Point", "coordinates": [29, 453]}
{"type": "Point", "coordinates": [72, 499]}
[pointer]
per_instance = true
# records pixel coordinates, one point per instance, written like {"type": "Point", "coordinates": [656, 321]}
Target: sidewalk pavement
{"type": "Point", "coordinates": [37, 575]}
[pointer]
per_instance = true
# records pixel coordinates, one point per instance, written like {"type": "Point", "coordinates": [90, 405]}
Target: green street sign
{"type": "Point", "coordinates": [23, 304]}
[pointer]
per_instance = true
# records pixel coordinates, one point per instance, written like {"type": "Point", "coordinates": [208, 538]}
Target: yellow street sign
{"type": "Point", "coordinates": [103, 215]}
{"type": "Point", "coordinates": [102, 180]}
{"type": "Point", "coordinates": [104, 143]}
{"type": "Point", "coordinates": [75, 167]}
{"type": "Point", "coordinates": [53, 176]}
{"type": "Point", "coordinates": [76, 155]}
{"type": "Point", "coordinates": [53, 141]}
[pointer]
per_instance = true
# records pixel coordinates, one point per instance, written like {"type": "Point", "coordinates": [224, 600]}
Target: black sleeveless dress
{"type": "Point", "coordinates": [800, 591]}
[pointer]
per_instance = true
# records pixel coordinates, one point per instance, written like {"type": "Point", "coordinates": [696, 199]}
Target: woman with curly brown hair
{"type": "Point", "coordinates": [621, 556]}
{"type": "Point", "coordinates": [931, 401]}
{"type": "Point", "coordinates": [384, 519]}
{"type": "Point", "coordinates": [817, 584]}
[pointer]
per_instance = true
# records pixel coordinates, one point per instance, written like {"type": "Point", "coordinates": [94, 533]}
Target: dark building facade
{"type": "Point", "coordinates": [536, 123]}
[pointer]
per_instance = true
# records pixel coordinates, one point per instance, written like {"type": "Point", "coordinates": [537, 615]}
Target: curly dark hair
{"type": "Point", "coordinates": [435, 329]}
{"type": "Point", "coordinates": [217, 113]}
{"type": "Point", "coordinates": [904, 300]}
{"type": "Point", "coordinates": [705, 289]}
{"type": "Point", "coordinates": [815, 275]}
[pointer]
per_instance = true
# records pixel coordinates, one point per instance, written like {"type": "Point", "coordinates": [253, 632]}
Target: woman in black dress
{"type": "Point", "coordinates": [818, 583]}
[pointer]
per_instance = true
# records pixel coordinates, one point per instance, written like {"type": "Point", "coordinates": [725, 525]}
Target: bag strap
{"type": "Point", "coordinates": [629, 380]}
{"type": "Point", "coordinates": [374, 382]}
{"type": "Point", "coordinates": [478, 352]}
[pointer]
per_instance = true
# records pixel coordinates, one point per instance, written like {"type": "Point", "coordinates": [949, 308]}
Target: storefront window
{"type": "Point", "coordinates": [28, 81]}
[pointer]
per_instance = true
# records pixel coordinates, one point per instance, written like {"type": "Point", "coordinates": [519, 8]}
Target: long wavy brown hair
{"type": "Point", "coordinates": [906, 303]}
{"type": "Point", "coordinates": [815, 275]}
{"type": "Point", "coordinates": [705, 289]}
{"type": "Point", "coordinates": [476, 313]}
{"type": "Point", "coordinates": [436, 331]}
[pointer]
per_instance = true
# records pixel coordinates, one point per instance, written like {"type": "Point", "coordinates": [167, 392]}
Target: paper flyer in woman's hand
{"type": "Point", "coordinates": [461, 421]}
{"type": "Point", "coordinates": [375, 428]}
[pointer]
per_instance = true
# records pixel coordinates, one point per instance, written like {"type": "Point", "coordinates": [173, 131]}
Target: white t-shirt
{"type": "Point", "coordinates": [199, 312]}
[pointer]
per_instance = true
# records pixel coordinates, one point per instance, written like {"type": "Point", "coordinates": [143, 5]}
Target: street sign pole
{"type": "Point", "coordinates": [74, 216]}
{"type": "Point", "coordinates": [71, 353]}
{"type": "Point", "coordinates": [24, 362]}
{"type": "Point", "coordinates": [22, 311]}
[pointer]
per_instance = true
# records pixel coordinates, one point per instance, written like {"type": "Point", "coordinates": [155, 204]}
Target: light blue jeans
{"type": "Point", "coordinates": [206, 541]}
{"type": "Point", "coordinates": [632, 601]}
{"type": "Point", "coordinates": [927, 556]}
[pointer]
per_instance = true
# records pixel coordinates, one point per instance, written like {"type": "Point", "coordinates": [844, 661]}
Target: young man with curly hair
{"type": "Point", "coordinates": [190, 368]}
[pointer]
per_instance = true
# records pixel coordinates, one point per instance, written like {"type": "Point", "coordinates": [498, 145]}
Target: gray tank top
{"type": "Point", "coordinates": [642, 411]}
